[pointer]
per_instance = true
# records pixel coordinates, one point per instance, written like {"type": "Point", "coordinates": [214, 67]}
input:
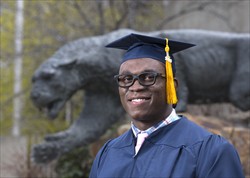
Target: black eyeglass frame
{"type": "Point", "coordinates": [154, 74]}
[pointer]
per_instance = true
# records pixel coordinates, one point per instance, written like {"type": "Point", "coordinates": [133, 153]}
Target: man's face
{"type": "Point", "coordinates": [144, 103]}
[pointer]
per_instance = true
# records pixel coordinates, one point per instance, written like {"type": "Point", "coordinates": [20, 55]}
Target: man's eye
{"type": "Point", "coordinates": [147, 77]}
{"type": "Point", "coordinates": [127, 78]}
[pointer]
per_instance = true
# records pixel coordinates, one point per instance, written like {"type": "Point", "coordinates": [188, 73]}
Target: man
{"type": "Point", "coordinates": [160, 143]}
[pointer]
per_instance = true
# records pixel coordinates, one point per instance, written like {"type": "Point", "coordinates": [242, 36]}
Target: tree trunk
{"type": "Point", "coordinates": [17, 108]}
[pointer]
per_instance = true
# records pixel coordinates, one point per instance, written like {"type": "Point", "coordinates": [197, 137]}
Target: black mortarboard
{"type": "Point", "coordinates": [141, 46]}
{"type": "Point", "coordinates": [138, 46]}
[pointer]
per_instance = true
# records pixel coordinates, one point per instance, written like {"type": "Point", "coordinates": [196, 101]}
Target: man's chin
{"type": "Point", "coordinates": [137, 115]}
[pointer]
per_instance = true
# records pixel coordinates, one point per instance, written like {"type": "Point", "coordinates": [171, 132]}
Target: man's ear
{"type": "Point", "coordinates": [176, 87]}
{"type": "Point", "coordinates": [176, 83]}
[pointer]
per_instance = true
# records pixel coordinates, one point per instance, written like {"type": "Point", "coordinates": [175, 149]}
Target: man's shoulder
{"type": "Point", "coordinates": [123, 140]}
{"type": "Point", "coordinates": [193, 128]}
{"type": "Point", "coordinates": [183, 132]}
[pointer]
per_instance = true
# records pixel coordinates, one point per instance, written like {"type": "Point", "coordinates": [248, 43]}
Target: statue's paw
{"type": "Point", "coordinates": [57, 136]}
{"type": "Point", "coordinates": [44, 153]}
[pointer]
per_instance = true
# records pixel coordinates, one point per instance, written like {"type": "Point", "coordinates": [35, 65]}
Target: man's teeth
{"type": "Point", "coordinates": [137, 100]}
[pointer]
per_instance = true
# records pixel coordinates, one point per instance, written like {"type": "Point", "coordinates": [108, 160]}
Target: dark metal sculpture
{"type": "Point", "coordinates": [217, 69]}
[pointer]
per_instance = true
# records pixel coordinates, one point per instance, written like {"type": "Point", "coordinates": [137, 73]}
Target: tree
{"type": "Point", "coordinates": [17, 108]}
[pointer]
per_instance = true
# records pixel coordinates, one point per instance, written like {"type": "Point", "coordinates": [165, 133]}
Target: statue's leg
{"type": "Point", "coordinates": [240, 91]}
{"type": "Point", "coordinates": [182, 99]}
{"type": "Point", "coordinates": [99, 113]}
{"type": "Point", "coordinates": [57, 136]}
{"type": "Point", "coordinates": [182, 89]}
{"type": "Point", "coordinates": [79, 134]}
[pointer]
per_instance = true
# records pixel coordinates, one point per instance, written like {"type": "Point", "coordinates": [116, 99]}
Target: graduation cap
{"type": "Point", "coordinates": [141, 46]}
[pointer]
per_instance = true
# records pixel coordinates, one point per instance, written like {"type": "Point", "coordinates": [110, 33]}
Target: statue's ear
{"type": "Point", "coordinates": [48, 73]}
{"type": "Point", "coordinates": [44, 74]}
{"type": "Point", "coordinates": [68, 64]}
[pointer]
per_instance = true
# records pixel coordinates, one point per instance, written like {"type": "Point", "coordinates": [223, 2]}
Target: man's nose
{"type": "Point", "coordinates": [136, 86]}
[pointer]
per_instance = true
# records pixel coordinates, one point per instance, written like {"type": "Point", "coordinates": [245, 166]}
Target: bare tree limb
{"type": "Point", "coordinates": [184, 11]}
{"type": "Point", "coordinates": [16, 95]}
{"type": "Point", "coordinates": [124, 16]}
{"type": "Point", "coordinates": [83, 15]}
{"type": "Point", "coordinates": [101, 17]}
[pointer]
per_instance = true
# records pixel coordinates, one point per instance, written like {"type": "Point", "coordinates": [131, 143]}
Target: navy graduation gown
{"type": "Point", "coordinates": [181, 149]}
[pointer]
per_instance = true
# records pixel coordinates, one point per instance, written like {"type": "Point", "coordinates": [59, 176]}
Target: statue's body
{"type": "Point", "coordinates": [217, 69]}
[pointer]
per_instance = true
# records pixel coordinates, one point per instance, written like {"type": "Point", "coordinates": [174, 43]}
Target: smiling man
{"type": "Point", "coordinates": [160, 143]}
{"type": "Point", "coordinates": [146, 106]}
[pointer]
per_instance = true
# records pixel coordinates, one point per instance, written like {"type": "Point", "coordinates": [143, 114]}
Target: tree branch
{"type": "Point", "coordinates": [83, 15]}
{"type": "Point", "coordinates": [184, 11]}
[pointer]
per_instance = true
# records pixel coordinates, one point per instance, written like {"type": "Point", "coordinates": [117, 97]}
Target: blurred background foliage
{"type": "Point", "coordinates": [49, 24]}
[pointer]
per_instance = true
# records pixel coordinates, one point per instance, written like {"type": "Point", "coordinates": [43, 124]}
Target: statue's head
{"type": "Point", "coordinates": [52, 85]}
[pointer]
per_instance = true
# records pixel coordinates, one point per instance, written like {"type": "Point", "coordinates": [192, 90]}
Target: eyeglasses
{"type": "Point", "coordinates": [145, 79]}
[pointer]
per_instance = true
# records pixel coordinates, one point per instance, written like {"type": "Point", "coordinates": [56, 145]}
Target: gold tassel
{"type": "Point", "coordinates": [170, 88]}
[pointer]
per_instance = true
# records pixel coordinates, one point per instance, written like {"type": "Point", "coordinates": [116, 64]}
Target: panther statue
{"type": "Point", "coordinates": [217, 69]}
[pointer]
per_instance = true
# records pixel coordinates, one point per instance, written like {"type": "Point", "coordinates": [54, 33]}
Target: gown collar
{"type": "Point", "coordinates": [171, 118]}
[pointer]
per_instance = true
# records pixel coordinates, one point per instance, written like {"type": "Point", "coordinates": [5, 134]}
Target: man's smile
{"type": "Point", "coordinates": [139, 100]}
